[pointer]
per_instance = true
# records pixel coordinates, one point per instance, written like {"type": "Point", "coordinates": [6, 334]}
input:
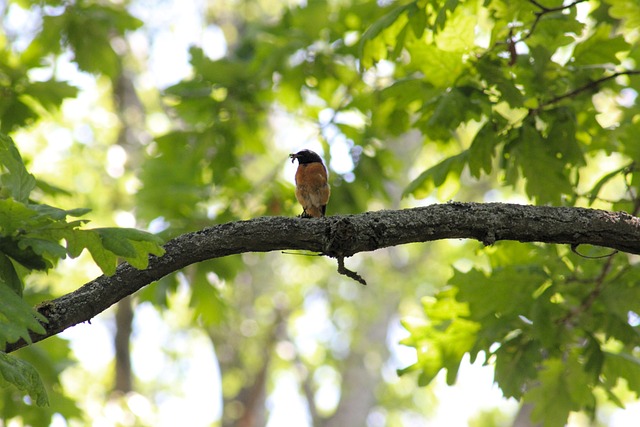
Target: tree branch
{"type": "Point", "coordinates": [542, 12]}
{"type": "Point", "coordinates": [343, 236]}
{"type": "Point", "coordinates": [591, 85]}
{"type": "Point", "coordinates": [544, 9]}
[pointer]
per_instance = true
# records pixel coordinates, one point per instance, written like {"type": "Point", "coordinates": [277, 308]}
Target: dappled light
{"type": "Point", "coordinates": [164, 262]}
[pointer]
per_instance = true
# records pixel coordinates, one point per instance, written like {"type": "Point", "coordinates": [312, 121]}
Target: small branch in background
{"type": "Point", "coordinates": [588, 301]}
{"type": "Point", "coordinates": [511, 46]}
{"type": "Point", "coordinates": [591, 85]}
{"type": "Point", "coordinates": [544, 11]}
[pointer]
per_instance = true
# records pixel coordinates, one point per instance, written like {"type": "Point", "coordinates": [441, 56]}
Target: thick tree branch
{"type": "Point", "coordinates": [343, 236]}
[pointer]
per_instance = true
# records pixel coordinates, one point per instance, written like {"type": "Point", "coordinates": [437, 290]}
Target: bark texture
{"type": "Point", "coordinates": [343, 236]}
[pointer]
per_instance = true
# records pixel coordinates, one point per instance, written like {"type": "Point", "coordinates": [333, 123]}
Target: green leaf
{"type": "Point", "coordinates": [579, 384]}
{"type": "Point", "coordinates": [209, 305]}
{"type": "Point", "coordinates": [562, 136]}
{"type": "Point", "coordinates": [515, 364]}
{"type": "Point", "coordinates": [89, 32]}
{"type": "Point", "coordinates": [18, 180]}
{"type": "Point", "coordinates": [556, 29]}
{"type": "Point", "coordinates": [594, 357]}
{"type": "Point", "coordinates": [441, 68]}
{"type": "Point", "coordinates": [595, 191]}
{"type": "Point", "coordinates": [47, 41]}
{"type": "Point", "coordinates": [17, 317]}
{"type": "Point", "coordinates": [622, 366]}
{"type": "Point", "coordinates": [222, 72]}
{"type": "Point", "coordinates": [506, 292]}
{"type": "Point", "coordinates": [445, 11]}
{"type": "Point", "coordinates": [372, 47]}
{"type": "Point", "coordinates": [626, 10]}
{"type": "Point", "coordinates": [562, 386]}
{"type": "Point", "coordinates": [50, 94]}
{"type": "Point", "coordinates": [496, 75]}
{"type": "Point", "coordinates": [43, 247]}
{"type": "Point", "coordinates": [600, 48]}
{"type": "Point", "coordinates": [459, 32]}
{"type": "Point", "coordinates": [15, 113]}
{"type": "Point", "coordinates": [417, 21]}
{"type": "Point", "coordinates": [551, 399]}
{"type": "Point", "coordinates": [107, 244]}
{"type": "Point", "coordinates": [8, 275]}
{"type": "Point", "coordinates": [436, 175]}
{"type": "Point", "coordinates": [24, 377]}
{"type": "Point", "coordinates": [143, 248]}
{"type": "Point", "coordinates": [441, 343]}
{"type": "Point", "coordinates": [24, 255]}
{"type": "Point", "coordinates": [92, 241]}
{"type": "Point", "coordinates": [482, 150]}
{"type": "Point", "coordinates": [542, 169]}
{"type": "Point", "coordinates": [57, 213]}
{"type": "Point", "coordinates": [444, 113]}
{"type": "Point", "coordinates": [14, 216]}
{"type": "Point", "coordinates": [116, 241]}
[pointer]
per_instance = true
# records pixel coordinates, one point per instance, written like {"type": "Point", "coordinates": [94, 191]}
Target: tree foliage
{"type": "Point", "coordinates": [494, 100]}
{"type": "Point", "coordinates": [31, 236]}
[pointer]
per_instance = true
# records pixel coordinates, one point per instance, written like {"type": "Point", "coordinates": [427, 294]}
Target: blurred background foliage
{"type": "Point", "coordinates": [172, 116]}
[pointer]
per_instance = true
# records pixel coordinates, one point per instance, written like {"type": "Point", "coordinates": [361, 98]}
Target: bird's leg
{"type": "Point", "coordinates": [304, 214]}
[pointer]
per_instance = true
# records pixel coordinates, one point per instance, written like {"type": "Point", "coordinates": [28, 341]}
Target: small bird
{"type": "Point", "coordinates": [312, 188]}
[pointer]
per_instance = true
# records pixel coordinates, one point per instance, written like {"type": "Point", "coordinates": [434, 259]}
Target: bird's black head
{"type": "Point", "coordinates": [305, 156]}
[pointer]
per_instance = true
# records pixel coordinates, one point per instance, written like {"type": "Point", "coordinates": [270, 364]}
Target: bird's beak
{"type": "Point", "coordinates": [293, 157]}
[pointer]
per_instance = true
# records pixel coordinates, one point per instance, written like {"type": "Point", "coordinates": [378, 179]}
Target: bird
{"type": "Point", "coordinates": [312, 188]}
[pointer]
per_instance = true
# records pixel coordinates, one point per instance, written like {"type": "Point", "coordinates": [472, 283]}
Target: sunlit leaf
{"type": "Point", "coordinates": [50, 94]}
{"type": "Point", "coordinates": [622, 366]}
{"type": "Point", "coordinates": [17, 180]}
{"type": "Point", "coordinates": [436, 175]}
{"type": "Point", "coordinates": [600, 48]}
{"type": "Point", "coordinates": [372, 44]}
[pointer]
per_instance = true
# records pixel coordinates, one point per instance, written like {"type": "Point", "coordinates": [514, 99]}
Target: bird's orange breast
{"type": "Point", "coordinates": [311, 175]}
{"type": "Point", "coordinates": [312, 189]}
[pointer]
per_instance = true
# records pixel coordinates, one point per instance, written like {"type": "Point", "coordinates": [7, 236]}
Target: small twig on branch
{"type": "Point", "coordinates": [346, 272]}
{"type": "Point", "coordinates": [574, 249]}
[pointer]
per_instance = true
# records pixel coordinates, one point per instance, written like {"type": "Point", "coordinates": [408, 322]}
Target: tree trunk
{"type": "Point", "coordinates": [124, 321]}
{"type": "Point", "coordinates": [523, 417]}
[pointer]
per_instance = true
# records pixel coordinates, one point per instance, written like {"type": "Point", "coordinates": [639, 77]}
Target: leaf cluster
{"type": "Point", "coordinates": [31, 236]}
{"type": "Point", "coordinates": [550, 324]}
{"type": "Point", "coordinates": [532, 114]}
{"type": "Point", "coordinates": [83, 29]}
